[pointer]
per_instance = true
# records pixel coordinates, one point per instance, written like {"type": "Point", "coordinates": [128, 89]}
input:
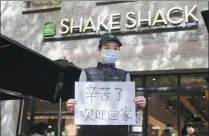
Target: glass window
{"type": "Point", "coordinates": [162, 81]}
{"type": "Point", "coordinates": [67, 127]}
{"type": "Point", "coordinates": [162, 119]}
{"type": "Point", "coordinates": [44, 106]}
{"type": "Point", "coordinates": [42, 111]}
{"type": "Point", "coordinates": [194, 81]}
{"type": "Point", "coordinates": [162, 107]}
{"type": "Point", "coordinates": [138, 80]}
{"type": "Point", "coordinates": [194, 103]}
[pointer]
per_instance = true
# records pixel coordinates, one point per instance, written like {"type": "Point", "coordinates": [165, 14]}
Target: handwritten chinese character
{"type": "Point", "coordinates": [91, 92]}
{"type": "Point", "coordinates": [119, 91]}
{"type": "Point", "coordinates": [105, 93]}
{"type": "Point", "coordinates": [87, 114]}
{"type": "Point", "coordinates": [125, 113]}
{"type": "Point", "coordinates": [113, 115]}
{"type": "Point", "coordinates": [100, 114]}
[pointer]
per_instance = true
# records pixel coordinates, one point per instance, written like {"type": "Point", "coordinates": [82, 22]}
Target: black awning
{"type": "Point", "coordinates": [9, 96]}
{"type": "Point", "coordinates": [205, 15]}
{"type": "Point", "coordinates": [4, 97]}
{"type": "Point", "coordinates": [27, 72]}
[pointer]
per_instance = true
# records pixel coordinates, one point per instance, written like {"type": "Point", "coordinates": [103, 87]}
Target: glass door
{"type": "Point", "coordinates": [194, 100]}
{"type": "Point", "coordinates": [162, 105]}
{"type": "Point", "coordinates": [162, 117]}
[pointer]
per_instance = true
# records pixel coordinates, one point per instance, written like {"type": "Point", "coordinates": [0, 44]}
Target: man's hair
{"type": "Point", "coordinates": [39, 128]}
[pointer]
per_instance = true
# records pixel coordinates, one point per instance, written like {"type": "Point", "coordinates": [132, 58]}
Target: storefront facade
{"type": "Point", "coordinates": [165, 44]}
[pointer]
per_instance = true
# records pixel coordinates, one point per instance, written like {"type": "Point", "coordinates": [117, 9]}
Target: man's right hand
{"type": "Point", "coordinates": [71, 104]}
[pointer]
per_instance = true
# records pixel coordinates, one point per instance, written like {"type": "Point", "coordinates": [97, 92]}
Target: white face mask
{"type": "Point", "coordinates": [109, 55]}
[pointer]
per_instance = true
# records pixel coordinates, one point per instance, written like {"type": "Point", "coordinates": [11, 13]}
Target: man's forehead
{"type": "Point", "coordinates": [109, 43]}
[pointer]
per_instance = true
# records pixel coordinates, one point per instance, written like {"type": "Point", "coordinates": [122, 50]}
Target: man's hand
{"type": "Point", "coordinates": [71, 104]}
{"type": "Point", "coordinates": [140, 101]}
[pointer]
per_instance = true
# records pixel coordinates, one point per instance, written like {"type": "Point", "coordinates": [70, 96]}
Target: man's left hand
{"type": "Point", "coordinates": [140, 101]}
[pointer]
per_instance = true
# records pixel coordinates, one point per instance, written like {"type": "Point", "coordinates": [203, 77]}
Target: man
{"type": "Point", "coordinates": [108, 50]}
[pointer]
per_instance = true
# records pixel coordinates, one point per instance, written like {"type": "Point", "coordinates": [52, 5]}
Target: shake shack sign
{"type": "Point", "coordinates": [128, 22]}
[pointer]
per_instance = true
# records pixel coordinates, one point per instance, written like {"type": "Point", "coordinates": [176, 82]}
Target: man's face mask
{"type": "Point", "coordinates": [109, 55]}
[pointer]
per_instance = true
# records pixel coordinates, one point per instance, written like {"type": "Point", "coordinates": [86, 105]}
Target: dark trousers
{"type": "Point", "coordinates": [111, 130]}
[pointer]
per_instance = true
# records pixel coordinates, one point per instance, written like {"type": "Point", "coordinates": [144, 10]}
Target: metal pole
{"type": "Point", "coordinates": [58, 91]}
{"type": "Point", "coordinates": [20, 118]}
{"type": "Point", "coordinates": [208, 76]}
{"type": "Point", "coordinates": [145, 113]}
{"type": "Point", "coordinates": [178, 105]}
{"type": "Point", "coordinates": [59, 116]}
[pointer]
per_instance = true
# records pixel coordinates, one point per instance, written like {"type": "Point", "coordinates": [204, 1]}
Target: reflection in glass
{"type": "Point", "coordinates": [67, 127]}
{"type": "Point", "coordinates": [194, 104]}
{"type": "Point", "coordinates": [196, 111]}
{"type": "Point", "coordinates": [138, 81]}
{"type": "Point", "coordinates": [194, 81]}
{"type": "Point", "coordinates": [162, 81]}
{"type": "Point", "coordinates": [162, 118]}
{"type": "Point", "coordinates": [44, 106]}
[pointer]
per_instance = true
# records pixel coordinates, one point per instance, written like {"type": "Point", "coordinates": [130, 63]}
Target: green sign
{"type": "Point", "coordinates": [63, 133]}
{"type": "Point", "coordinates": [52, 133]}
{"type": "Point", "coordinates": [173, 134]}
{"type": "Point", "coordinates": [49, 29]}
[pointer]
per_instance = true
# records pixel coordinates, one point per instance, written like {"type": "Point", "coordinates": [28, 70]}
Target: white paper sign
{"type": "Point", "coordinates": [105, 103]}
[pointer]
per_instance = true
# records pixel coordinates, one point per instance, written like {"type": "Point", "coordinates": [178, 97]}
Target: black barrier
{"type": "Point", "coordinates": [31, 74]}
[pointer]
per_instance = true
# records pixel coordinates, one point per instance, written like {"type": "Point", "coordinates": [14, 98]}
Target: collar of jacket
{"type": "Point", "coordinates": [101, 65]}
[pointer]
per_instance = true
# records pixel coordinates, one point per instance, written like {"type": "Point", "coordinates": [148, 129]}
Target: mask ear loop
{"type": "Point", "coordinates": [100, 53]}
